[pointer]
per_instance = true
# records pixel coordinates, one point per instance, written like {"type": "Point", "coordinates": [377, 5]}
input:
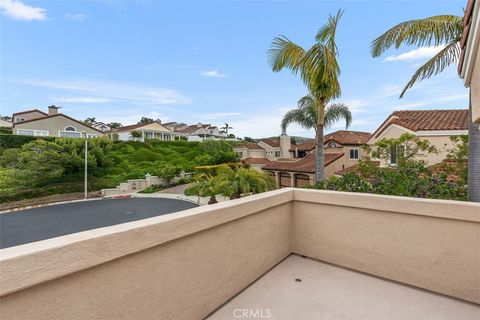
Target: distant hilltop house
{"type": "Point", "coordinates": [5, 123]}
{"type": "Point", "coordinates": [101, 126]}
{"type": "Point", "coordinates": [342, 149]}
{"type": "Point", "coordinates": [199, 132]}
{"type": "Point", "coordinates": [141, 132]}
{"type": "Point", "coordinates": [435, 126]}
{"type": "Point", "coordinates": [53, 124]}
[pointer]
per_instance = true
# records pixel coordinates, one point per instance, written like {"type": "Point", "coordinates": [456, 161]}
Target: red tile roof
{"type": "Point", "coordinates": [251, 160]}
{"type": "Point", "coordinates": [250, 145]}
{"type": "Point", "coordinates": [346, 137]}
{"type": "Point", "coordinates": [306, 164]}
{"type": "Point", "coordinates": [272, 142]}
{"type": "Point", "coordinates": [427, 120]}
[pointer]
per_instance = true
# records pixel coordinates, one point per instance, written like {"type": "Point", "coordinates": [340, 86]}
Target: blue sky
{"type": "Point", "coordinates": [206, 62]}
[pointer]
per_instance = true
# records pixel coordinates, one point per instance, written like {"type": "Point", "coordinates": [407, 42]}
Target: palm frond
{"type": "Point", "coordinates": [432, 31]}
{"type": "Point", "coordinates": [322, 71]}
{"type": "Point", "coordinates": [335, 112]}
{"type": "Point", "coordinates": [305, 117]}
{"type": "Point", "coordinates": [326, 34]}
{"type": "Point", "coordinates": [283, 53]}
{"type": "Point", "coordinates": [447, 56]}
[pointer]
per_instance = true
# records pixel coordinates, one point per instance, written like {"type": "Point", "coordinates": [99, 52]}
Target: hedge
{"type": "Point", "coordinates": [8, 141]}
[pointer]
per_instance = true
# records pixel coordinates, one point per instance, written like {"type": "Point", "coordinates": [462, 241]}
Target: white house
{"type": "Point", "coordinates": [152, 130]}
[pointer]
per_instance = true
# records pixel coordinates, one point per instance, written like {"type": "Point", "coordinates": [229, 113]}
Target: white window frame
{"type": "Point", "coordinates": [91, 135]}
{"type": "Point", "coordinates": [74, 129]}
{"type": "Point", "coordinates": [74, 134]}
{"type": "Point", "coordinates": [35, 133]}
{"type": "Point", "coordinates": [332, 144]}
{"type": "Point", "coordinates": [279, 154]}
{"type": "Point", "coordinates": [350, 153]}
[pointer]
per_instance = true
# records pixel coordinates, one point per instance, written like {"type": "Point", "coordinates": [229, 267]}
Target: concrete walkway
{"type": "Point", "coordinates": [304, 289]}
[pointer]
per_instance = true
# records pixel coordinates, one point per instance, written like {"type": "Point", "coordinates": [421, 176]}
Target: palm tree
{"type": "Point", "coordinates": [226, 128]}
{"type": "Point", "coordinates": [208, 186]}
{"type": "Point", "coordinates": [90, 120]}
{"type": "Point", "coordinates": [235, 182]}
{"type": "Point", "coordinates": [443, 30]}
{"type": "Point", "coordinates": [306, 115]}
{"type": "Point", "coordinates": [319, 70]}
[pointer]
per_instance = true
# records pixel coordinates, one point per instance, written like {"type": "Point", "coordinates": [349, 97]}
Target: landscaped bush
{"type": "Point", "coordinates": [410, 177]}
{"type": "Point", "coordinates": [38, 166]}
{"type": "Point", "coordinates": [8, 141]}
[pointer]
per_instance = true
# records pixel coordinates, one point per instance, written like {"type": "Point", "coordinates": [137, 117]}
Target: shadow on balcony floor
{"type": "Point", "coordinates": [301, 288]}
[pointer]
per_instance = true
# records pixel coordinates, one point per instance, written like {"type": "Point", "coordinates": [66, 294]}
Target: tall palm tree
{"type": "Point", "coordinates": [319, 70]}
{"type": "Point", "coordinates": [446, 31]}
{"type": "Point", "coordinates": [226, 128]}
{"type": "Point", "coordinates": [305, 115]}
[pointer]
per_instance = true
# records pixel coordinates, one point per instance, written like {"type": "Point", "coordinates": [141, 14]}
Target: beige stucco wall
{"type": "Point", "coordinates": [54, 125]}
{"type": "Point", "coordinates": [441, 142]}
{"type": "Point", "coordinates": [29, 115]}
{"type": "Point", "coordinates": [475, 89]}
{"type": "Point", "coordinates": [186, 264]}
{"type": "Point", "coordinates": [430, 244]}
{"type": "Point", "coordinates": [178, 266]}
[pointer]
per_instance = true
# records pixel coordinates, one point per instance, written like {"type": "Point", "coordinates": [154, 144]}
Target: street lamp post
{"type": "Point", "coordinates": [85, 168]}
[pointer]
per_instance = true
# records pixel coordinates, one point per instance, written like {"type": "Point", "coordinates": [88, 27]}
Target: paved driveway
{"type": "Point", "coordinates": [36, 224]}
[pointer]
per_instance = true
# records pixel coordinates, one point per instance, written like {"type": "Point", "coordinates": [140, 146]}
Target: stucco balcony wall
{"type": "Point", "coordinates": [187, 264]}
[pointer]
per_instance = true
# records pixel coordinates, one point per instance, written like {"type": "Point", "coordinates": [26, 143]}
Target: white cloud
{"type": "Point", "coordinates": [17, 10]}
{"type": "Point", "coordinates": [118, 91]}
{"type": "Point", "coordinates": [75, 16]}
{"type": "Point", "coordinates": [218, 115]}
{"type": "Point", "coordinates": [420, 53]}
{"type": "Point", "coordinates": [82, 99]}
{"type": "Point", "coordinates": [355, 105]}
{"type": "Point", "coordinates": [214, 74]}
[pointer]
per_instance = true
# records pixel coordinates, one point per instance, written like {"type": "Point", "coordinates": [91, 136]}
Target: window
{"type": "Point", "coordinates": [277, 154]}
{"type": "Point", "coordinates": [70, 129]}
{"type": "Point", "coordinates": [332, 144]}
{"type": "Point", "coordinates": [395, 151]}
{"type": "Point", "coordinates": [69, 134]}
{"type": "Point", "coordinates": [240, 154]}
{"type": "Point", "coordinates": [354, 154]}
{"type": "Point", "coordinates": [19, 119]}
{"type": "Point", "coordinates": [91, 135]}
{"type": "Point", "coordinates": [28, 132]}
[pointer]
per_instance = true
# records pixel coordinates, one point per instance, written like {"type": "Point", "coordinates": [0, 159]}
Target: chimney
{"type": "Point", "coordinates": [285, 145]}
{"type": "Point", "coordinates": [52, 110]}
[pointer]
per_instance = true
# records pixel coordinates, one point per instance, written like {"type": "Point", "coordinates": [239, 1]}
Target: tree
{"type": "Point", "coordinates": [90, 121]}
{"type": "Point", "coordinates": [145, 120]}
{"type": "Point", "coordinates": [168, 172]}
{"type": "Point", "coordinates": [319, 70]}
{"type": "Point", "coordinates": [136, 134]}
{"type": "Point", "coordinates": [235, 182]}
{"type": "Point", "coordinates": [226, 128]}
{"type": "Point", "coordinates": [443, 30]}
{"type": "Point", "coordinates": [306, 115]}
{"type": "Point", "coordinates": [114, 125]}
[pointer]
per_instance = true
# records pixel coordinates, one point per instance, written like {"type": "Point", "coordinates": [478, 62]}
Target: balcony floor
{"type": "Point", "coordinates": [329, 292]}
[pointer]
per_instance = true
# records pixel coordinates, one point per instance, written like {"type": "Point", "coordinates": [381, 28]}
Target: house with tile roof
{"type": "Point", "coordinates": [201, 131]}
{"type": "Point", "coordinates": [257, 154]}
{"type": "Point", "coordinates": [436, 126]}
{"type": "Point", "coordinates": [342, 149]}
{"type": "Point", "coordinates": [54, 124]}
{"type": "Point", "coordinates": [154, 130]}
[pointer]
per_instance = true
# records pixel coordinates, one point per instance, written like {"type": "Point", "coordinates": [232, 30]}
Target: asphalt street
{"type": "Point", "coordinates": [36, 224]}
